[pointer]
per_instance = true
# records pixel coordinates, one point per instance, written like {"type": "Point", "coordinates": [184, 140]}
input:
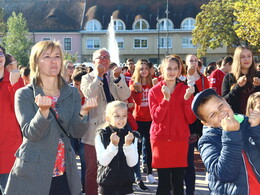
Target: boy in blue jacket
{"type": "Point", "coordinates": [229, 146]}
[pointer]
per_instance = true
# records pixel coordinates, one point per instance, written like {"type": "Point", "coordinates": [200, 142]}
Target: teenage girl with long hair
{"type": "Point", "coordinates": [242, 81]}
{"type": "Point", "coordinates": [140, 85]}
{"type": "Point", "coordinates": [170, 108]}
{"type": "Point", "coordinates": [200, 82]}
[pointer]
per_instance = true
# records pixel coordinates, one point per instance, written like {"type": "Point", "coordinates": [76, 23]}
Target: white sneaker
{"type": "Point", "coordinates": [151, 179]}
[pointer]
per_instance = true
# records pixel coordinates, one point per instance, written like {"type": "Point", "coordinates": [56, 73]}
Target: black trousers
{"type": "Point", "coordinates": [59, 186]}
{"type": "Point", "coordinates": [170, 179]}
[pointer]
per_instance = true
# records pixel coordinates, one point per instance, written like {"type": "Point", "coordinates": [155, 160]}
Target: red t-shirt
{"type": "Point", "coordinates": [141, 111]}
{"type": "Point", "coordinates": [215, 80]}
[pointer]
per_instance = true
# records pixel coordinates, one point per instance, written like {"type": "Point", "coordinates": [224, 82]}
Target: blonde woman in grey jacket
{"type": "Point", "coordinates": [48, 111]}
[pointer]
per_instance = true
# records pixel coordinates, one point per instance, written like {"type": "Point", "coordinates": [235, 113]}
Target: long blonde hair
{"type": "Point", "coordinates": [137, 76]}
{"type": "Point", "coordinates": [236, 69]}
{"type": "Point", "coordinates": [251, 102]}
{"type": "Point", "coordinates": [37, 50]}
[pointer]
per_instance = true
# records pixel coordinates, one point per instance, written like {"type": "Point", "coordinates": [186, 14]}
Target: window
{"type": "Point", "coordinates": [141, 25]}
{"type": "Point", "coordinates": [188, 24]}
{"type": "Point", "coordinates": [67, 43]}
{"type": "Point", "coordinates": [46, 38]}
{"type": "Point", "coordinates": [187, 42]}
{"type": "Point", "coordinates": [140, 43]}
{"type": "Point", "coordinates": [163, 42]}
{"type": "Point", "coordinates": [93, 43]}
{"type": "Point", "coordinates": [163, 24]}
{"type": "Point", "coordinates": [120, 42]}
{"type": "Point", "coordinates": [93, 25]}
{"type": "Point", "coordinates": [119, 25]}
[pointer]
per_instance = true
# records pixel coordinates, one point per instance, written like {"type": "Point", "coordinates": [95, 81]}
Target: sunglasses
{"type": "Point", "coordinates": [2, 54]}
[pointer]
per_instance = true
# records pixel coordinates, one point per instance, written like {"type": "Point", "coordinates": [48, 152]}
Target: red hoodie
{"type": "Point", "coordinates": [170, 126]}
{"type": "Point", "coordinates": [10, 133]}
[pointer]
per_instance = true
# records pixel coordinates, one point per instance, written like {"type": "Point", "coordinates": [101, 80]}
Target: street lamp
{"type": "Point", "coordinates": [167, 27]}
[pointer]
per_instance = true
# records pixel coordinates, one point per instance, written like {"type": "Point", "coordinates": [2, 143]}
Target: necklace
{"type": "Point", "coordinates": [51, 92]}
{"type": "Point", "coordinates": [50, 89]}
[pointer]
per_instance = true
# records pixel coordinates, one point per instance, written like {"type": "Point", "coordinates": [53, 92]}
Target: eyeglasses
{"type": "Point", "coordinates": [103, 58]}
{"type": "Point", "coordinates": [71, 67]}
{"type": "Point", "coordinates": [13, 62]}
{"type": "Point", "coordinates": [2, 54]}
{"type": "Point", "coordinates": [191, 61]}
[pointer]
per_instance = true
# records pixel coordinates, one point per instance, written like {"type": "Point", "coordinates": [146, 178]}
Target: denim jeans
{"type": "Point", "coordinates": [137, 171]}
{"type": "Point", "coordinates": [78, 147]}
{"type": "Point", "coordinates": [3, 181]}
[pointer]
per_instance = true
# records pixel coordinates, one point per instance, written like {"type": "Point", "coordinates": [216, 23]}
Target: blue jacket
{"type": "Point", "coordinates": [221, 152]}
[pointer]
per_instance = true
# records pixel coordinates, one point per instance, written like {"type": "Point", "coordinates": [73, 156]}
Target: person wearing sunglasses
{"type": "Point", "coordinates": [10, 63]}
{"type": "Point", "coordinates": [68, 71]}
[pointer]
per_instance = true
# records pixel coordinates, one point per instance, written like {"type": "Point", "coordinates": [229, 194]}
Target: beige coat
{"type": "Point", "coordinates": [91, 86]}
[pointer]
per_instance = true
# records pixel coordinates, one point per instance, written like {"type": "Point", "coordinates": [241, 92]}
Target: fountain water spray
{"type": "Point", "coordinates": [112, 43]}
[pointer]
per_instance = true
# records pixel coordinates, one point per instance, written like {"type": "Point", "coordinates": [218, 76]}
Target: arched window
{"type": "Point", "coordinates": [188, 24]}
{"type": "Point", "coordinates": [93, 25]}
{"type": "Point", "coordinates": [141, 25]}
{"type": "Point", "coordinates": [119, 25]}
{"type": "Point", "coordinates": [163, 24]}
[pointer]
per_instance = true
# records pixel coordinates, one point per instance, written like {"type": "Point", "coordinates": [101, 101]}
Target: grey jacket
{"type": "Point", "coordinates": [35, 158]}
{"type": "Point", "coordinates": [91, 86]}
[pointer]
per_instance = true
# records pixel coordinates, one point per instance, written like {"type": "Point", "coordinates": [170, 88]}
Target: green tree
{"type": "Point", "coordinates": [226, 23]}
{"type": "Point", "coordinates": [70, 57]}
{"type": "Point", "coordinates": [16, 41]}
{"type": "Point", "coordinates": [214, 26]}
{"type": "Point", "coordinates": [247, 27]}
{"type": "Point", "coordinates": [2, 23]}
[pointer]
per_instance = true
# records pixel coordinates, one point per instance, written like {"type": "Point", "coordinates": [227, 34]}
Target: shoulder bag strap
{"type": "Point", "coordinates": [54, 115]}
{"type": "Point", "coordinates": [64, 131]}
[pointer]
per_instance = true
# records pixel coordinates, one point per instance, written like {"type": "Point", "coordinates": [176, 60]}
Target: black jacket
{"type": "Point", "coordinates": [237, 96]}
{"type": "Point", "coordinates": [116, 178]}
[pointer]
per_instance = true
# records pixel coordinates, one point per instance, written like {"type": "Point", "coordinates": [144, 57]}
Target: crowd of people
{"type": "Point", "coordinates": [122, 121]}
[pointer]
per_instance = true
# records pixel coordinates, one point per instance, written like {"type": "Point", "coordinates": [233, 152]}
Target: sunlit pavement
{"type": "Point", "coordinates": [201, 187]}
